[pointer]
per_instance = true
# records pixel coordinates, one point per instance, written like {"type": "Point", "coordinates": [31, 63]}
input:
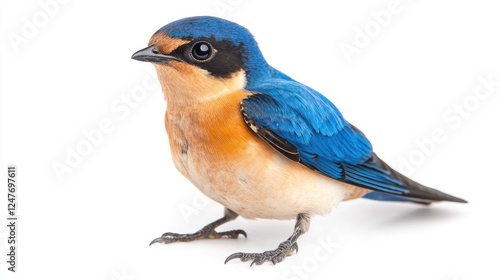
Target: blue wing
{"type": "Point", "coordinates": [306, 127]}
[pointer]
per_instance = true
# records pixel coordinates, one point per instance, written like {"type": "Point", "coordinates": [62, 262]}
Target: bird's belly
{"type": "Point", "coordinates": [257, 182]}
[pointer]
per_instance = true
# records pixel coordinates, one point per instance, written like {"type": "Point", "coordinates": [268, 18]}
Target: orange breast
{"type": "Point", "coordinates": [214, 131]}
{"type": "Point", "coordinates": [222, 124]}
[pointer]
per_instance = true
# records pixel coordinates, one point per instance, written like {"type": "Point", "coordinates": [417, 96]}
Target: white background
{"type": "Point", "coordinates": [97, 221]}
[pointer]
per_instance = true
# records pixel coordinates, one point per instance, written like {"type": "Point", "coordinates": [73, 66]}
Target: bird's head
{"type": "Point", "coordinates": [201, 58]}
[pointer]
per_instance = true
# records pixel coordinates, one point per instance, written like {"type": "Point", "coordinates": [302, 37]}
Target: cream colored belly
{"type": "Point", "coordinates": [258, 182]}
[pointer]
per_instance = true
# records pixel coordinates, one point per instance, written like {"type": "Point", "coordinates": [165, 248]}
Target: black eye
{"type": "Point", "coordinates": [202, 51]}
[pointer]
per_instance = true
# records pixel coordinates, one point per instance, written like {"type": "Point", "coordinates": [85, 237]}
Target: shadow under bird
{"type": "Point", "coordinates": [257, 141]}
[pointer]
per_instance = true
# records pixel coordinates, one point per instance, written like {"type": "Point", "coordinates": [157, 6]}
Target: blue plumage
{"type": "Point", "coordinates": [325, 140]}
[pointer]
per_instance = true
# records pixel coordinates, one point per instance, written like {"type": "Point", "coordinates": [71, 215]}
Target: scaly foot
{"type": "Point", "coordinates": [275, 256]}
{"type": "Point", "coordinates": [207, 232]}
{"type": "Point", "coordinates": [284, 249]}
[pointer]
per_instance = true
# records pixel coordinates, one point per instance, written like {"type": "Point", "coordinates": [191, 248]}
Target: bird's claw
{"type": "Point", "coordinates": [275, 256]}
{"type": "Point", "coordinates": [167, 238]}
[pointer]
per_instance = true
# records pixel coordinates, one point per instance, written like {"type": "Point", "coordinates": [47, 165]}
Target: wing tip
{"type": "Point", "coordinates": [443, 198]}
{"type": "Point", "coordinates": [457, 199]}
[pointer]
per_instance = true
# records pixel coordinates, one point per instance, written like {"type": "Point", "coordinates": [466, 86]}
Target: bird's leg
{"type": "Point", "coordinates": [284, 249]}
{"type": "Point", "coordinates": [207, 232]}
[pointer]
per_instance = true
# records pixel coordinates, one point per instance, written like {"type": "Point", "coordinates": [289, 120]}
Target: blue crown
{"type": "Point", "coordinates": [219, 29]}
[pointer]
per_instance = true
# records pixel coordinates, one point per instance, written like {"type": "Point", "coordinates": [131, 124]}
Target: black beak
{"type": "Point", "coordinates": [152, 54]}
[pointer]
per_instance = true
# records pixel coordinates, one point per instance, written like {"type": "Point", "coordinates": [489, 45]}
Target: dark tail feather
{"type": "Point", "coordinates": [394, 198]}
{"type": "Point", "coordinates": [418, 192]}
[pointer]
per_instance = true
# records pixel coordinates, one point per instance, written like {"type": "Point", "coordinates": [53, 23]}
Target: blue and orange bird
{"type": "Point", "coordinates": [257, 141]}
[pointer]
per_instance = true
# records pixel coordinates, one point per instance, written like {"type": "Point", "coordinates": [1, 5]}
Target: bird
{"type": "Point", "coordinates": [258, 142]}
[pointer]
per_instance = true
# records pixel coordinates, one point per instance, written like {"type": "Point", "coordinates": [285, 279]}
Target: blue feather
{"type": "Point", "coordinates": [325, 140]}
{"type": "Point", "coordinates": [388, 197]}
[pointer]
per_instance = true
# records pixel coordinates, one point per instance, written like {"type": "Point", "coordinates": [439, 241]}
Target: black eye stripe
{"type": "Point", "coordinates": [223, 60]}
